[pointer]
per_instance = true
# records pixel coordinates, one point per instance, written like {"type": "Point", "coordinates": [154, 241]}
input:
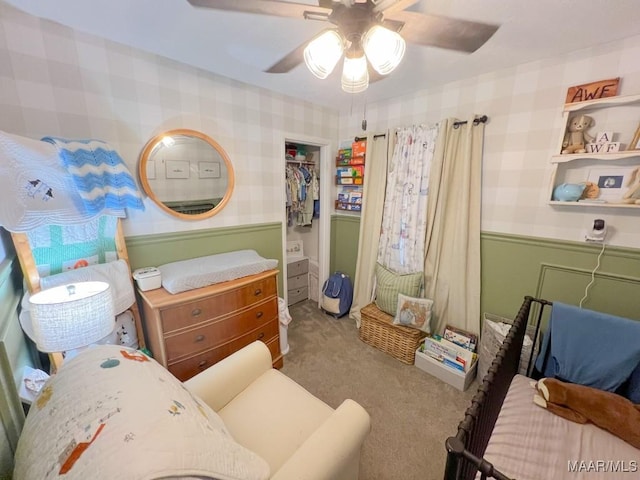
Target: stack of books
{"type": "Point", "coordinates": [451, 354]}
{"type": "Point", "coordinates": [461, 337]}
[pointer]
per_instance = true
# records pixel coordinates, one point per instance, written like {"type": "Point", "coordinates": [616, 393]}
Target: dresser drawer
{"type": "Point", "coordinates": [298, 267]}
{"type": "Point", "coordinates": [297, 295]}
{"type": "Point", "coordinates": [298, 281]}
{"type": "Point", "coordinates": [189, 367]}
{"type": "Point", "coordinates": [199, 311]}
{"type": "Point", "coordinates": [220, 331]}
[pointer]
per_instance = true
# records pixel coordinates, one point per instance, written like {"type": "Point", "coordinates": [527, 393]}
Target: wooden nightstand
{"type": "Point", "coordinates": [190, 331]}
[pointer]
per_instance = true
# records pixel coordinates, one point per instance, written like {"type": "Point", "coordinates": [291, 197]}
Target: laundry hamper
{"type": "Point", "coordinates": [377, 329]}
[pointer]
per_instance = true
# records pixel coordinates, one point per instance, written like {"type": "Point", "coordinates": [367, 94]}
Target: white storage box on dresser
{"type": "Point", "coordinates": [297, 279]}
{"type": "Point", "coordinates": [189, 331]}
{"type": "Point", "coordinates": [148, 278]}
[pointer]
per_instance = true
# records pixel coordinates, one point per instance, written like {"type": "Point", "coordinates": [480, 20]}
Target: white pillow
{"type": "Point", "coordinates": [135, 419]}
{"type": "Point", "coordinates": [116, 274]}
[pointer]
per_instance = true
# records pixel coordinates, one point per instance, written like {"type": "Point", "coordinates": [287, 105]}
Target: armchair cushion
{"type": "Point", "coordinates": [274, 416]}
{"type": "Point", "coordinates": [115, 411]}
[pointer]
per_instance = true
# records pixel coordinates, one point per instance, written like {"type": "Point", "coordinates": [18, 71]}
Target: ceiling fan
{"type": "Point", "coordinates": [371, 34]}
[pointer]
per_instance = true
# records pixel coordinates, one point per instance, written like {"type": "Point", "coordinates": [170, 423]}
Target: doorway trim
{"type": "Point", "coordinates": [324, 234]}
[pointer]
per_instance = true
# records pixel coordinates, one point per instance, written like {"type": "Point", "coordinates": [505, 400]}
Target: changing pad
{"type": "Point", "coordinates": [202, 271]}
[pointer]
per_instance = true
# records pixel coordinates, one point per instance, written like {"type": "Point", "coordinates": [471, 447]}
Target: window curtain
{"type": "Point", "coordinates": [404, 218]}
{"type": "Point", "coordinates": [370, 223]}
{"type": "Point", "coordinates": [452, 260]}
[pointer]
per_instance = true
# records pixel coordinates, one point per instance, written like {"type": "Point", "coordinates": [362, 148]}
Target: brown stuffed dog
{"type": "Point", "coordinates": [581, 404]}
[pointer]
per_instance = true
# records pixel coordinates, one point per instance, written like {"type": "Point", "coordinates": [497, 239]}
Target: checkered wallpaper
{"type": "Point", "coordinates": [61, 82]}
{"type": "Point", "coordinates": [524, 106]}
{"type": "Point", "coordinates": [57, 81]}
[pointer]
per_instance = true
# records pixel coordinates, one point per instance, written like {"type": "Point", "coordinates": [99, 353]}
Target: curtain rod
{"type": "Point", "coordinates": [476, 121]}
{"type": "Point", "coordinates": [358, 139]}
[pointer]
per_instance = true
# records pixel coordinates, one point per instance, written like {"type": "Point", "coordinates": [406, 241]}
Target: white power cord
{"type": "Point", "coordinates": [593, 276]}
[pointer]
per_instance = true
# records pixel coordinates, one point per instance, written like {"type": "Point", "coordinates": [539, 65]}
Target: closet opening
{"type": "Point", "coordinates": [306, 217]}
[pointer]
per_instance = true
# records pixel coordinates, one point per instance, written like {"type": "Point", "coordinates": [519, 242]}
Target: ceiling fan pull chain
{"type": "Point", "coordinates": [364, 115]}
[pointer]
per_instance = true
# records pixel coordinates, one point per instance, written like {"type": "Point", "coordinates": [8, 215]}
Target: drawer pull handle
{"type": "Point", "coordinates": [195, 312]}
{"type": "Point", "coordinates": [261, 336]}
{"type": "Point", "coordinates": [199, 338]}
{"type": "Point", "coordinates": [258, 292]}
{"type": "Point", "coordinates": [202, 364]}
{"type": "Point", "coordinates": [259, 314]}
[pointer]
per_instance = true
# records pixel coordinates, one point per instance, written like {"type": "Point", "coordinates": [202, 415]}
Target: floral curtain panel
{"type": "Point", "coordinates": [404, 219]}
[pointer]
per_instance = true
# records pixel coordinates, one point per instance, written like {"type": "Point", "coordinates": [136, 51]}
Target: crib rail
{"type": "Point", "coordinates": [465, 450]}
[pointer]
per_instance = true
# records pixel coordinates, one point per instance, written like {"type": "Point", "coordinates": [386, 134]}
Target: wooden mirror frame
{"type": "Point", "coordinates": [142, 173]}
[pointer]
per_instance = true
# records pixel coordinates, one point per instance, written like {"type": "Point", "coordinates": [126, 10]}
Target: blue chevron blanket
{"type": "Point", "coordinates": [100, 175]}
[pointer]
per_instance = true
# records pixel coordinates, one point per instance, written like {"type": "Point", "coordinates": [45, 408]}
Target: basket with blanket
{"type": "Point", "coordinates": [578, 417]}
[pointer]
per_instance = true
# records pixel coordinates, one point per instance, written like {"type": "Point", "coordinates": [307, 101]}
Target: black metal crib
{"type": "Point", "coordinates": [465, 450]}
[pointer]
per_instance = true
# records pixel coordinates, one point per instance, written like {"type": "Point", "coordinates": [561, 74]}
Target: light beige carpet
{"type": "Point", "coordinates": [412, 412]}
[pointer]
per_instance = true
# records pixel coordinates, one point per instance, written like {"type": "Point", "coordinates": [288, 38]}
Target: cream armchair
{"type": "Point", "coordinates": [112, 412]}
{"type": "Point", "coordinates": [298, 435]}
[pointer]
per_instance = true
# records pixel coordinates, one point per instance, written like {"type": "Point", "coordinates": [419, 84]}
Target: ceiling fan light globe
{"type": "Point", "coordinates": [355, 76]}
{"type": "Point", "coordinates": [323, 52]}
{"type": "Point", "coordinates": [384, 48]}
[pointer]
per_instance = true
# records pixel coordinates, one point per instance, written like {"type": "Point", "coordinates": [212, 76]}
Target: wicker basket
{"type": "Point", "coordinates": [377, 329]}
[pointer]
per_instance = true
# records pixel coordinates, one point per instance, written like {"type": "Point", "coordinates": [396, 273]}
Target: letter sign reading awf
{"type": "Point", "coordinates": [593, 90]}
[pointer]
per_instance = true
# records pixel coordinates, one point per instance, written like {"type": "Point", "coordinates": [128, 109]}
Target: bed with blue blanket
{"type": "Point", "coordinates": [504, 435]}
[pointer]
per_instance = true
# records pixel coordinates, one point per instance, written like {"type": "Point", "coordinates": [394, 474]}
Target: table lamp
{"type": "Point", "coordinates": [71, 316]}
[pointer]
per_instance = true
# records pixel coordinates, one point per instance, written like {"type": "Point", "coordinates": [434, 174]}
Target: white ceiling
{"type": "Point", "coordinates": [241, 46]}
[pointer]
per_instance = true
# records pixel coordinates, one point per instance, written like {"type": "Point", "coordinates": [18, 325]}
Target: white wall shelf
{"type": "Point", "coordinates": [619, 114]}
{"type": "Point", "coordinates": [604, 157]}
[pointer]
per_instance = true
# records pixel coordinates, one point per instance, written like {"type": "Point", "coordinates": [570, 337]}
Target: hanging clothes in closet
{"type": "Point", "coordinates": [302, 186]}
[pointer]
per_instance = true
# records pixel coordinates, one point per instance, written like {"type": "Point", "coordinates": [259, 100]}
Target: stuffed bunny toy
{"type": "Point", "coordinates": [632, 195]}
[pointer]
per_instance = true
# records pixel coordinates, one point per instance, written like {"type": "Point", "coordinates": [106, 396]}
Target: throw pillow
{"type": "Point", "coordinates": [113, 410]}
{"type": "Point", "coordinates": [389, 284]}
{"type": "Point", "coordinates": [414, 312]}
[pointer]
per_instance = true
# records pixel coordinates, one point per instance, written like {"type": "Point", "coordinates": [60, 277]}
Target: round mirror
{"type": "Point", "coordinates": [186, 173]}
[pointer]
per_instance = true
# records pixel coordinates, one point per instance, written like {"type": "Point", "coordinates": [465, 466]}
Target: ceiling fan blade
{"type": "Point", "coordinates": [443, 32]}
{"type": "Point", "coordinates": [391, 6]}
{"type": "Point", "coordinates": [263, 7]}
{"type": "Point", "coordinates": [291, 60]}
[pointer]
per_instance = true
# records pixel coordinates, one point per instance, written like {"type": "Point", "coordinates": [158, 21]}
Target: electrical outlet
{"type": "Point", "coordinates": [597, 233]}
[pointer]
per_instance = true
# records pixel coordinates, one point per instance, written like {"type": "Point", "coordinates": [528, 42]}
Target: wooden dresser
{"type": "Point", "coordinates": [190, 331]}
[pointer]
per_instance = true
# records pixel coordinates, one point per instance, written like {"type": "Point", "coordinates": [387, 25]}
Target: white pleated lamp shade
{"type": "Point", "coordinates": [384, 49]}
{"type": "Point", "coordinates": [355, 76]}
{"type": "Point", "coordinates": [71, 316]}
{"type": "Point", "coordinates": [323, 52]}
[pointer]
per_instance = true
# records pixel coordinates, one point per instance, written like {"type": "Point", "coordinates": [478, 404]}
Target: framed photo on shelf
{"type": "Point", "coordinates": [209, 169]}
{"type": "Point", "coordinates": [611, 182]}
{"type": "Point", "coordinates": [635, 141]}
{"type": "Point", "coordinates": [177, 169]}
